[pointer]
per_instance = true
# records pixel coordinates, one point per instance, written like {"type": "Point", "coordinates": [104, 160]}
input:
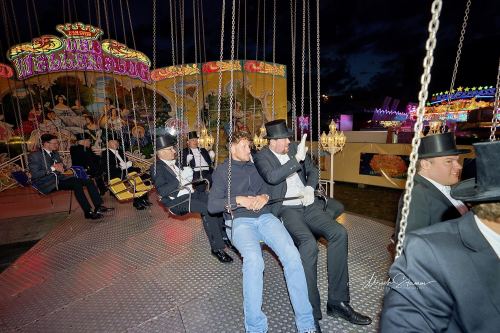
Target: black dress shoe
{"type": "Point", "coordinates": [138, 205]}
{"type": "Point", "coordinates": [93, 216]}
{"type": "Point", "coordinates": [345, 311]}
{"type": "Point", "coordinates": [103, 209]}
{"type": "Point", "coordinates": [222, 256]}
{"type": "Point", "coordinates": [144, 201]}
{"type": "Point", "coordinates": [230, 246]}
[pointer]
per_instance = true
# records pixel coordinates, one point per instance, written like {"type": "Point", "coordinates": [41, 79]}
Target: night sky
{"type": "Point", "coordinates": [369, 49]}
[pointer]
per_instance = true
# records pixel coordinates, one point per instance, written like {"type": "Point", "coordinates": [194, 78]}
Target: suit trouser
{"type": "Point", "coordinates": [305, 224]}
{"type": "Point", "coordinates": [206, 174]}
{"type": "Point", "coordinates": [213, 224]}
{"type": "Point", "coordinates": [77, 185]}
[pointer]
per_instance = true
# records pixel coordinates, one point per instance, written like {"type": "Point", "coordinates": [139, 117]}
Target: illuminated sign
{"type": "Point", "coordinates": [80, 50]}
{"type": "Point", "coordinates": [5, 71]}
{"type": "Point", "coordinates": [463, 93]}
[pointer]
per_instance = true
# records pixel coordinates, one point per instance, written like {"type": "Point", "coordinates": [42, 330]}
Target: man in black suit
{"type": "Point", "coordinates": [48, 174]}
{"type": "Point", "coordinates": [291, 173]}
{"type": "Point", "coordinates": [113, 160]}
{"type": "Point", "coordinates": [438, 168]}
{"type": "Point", "coordinates": [448, 276]}
{"type": "Point", "coordinates": [83, 155]}
{"type": "Point", "coordinates": [199, 159]}
{"type": "Point", "coordinates": [173, 186]}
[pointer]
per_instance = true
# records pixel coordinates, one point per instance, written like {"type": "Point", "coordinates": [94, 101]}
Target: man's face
{"type": "Point", "coordinates": [193, 143]}
{"type": "Point", "coordinates": [113, 144]}
{"type": "Point", "coordinates": [167, 153]}
{"type": "Point", "coordinates": [241, 151]}
{"type": "Point", "coordinates": [279, 146]}
{"type": "Point", "coordinates": [86, 143]}
{"type": "Point", "coordinates": [51, 145]}
{"type": "Point", "coordinates": [444, 169]}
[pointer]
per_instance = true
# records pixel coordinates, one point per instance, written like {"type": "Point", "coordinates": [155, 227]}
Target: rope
{"type": "Point", "coordinates": [457, 60]}
{"type": "Point", "coordinates": [430, 45]}
{"type": "Point", "coordinates": [219, 97]}
{"type": "Point", "coordinates": [494, 119]}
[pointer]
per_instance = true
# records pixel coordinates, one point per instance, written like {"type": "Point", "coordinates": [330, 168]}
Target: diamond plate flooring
{"type": "Point", "coordinates": [142, 271]}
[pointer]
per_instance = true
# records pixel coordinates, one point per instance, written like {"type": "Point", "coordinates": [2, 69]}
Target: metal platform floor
{"type": "Point", "coordinates": [141, 271]}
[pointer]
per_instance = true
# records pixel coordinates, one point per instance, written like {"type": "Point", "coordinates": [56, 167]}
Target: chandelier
{"type": "Point", "coordinates": [206, 139]}
{"type": "Point", "coordinates": [334, 141]}
{"type": "Point", "coordinates": [435, 127]}
{"type": "Point", "coordinates": [260, 141]}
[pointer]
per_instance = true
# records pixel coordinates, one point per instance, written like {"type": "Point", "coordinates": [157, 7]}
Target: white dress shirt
{"type": "Point", "coordinates": [491, 236]}
{"type": "Point", "coordinates": [199, 160]}
{"type": "Point", "coordinates": [459, 205]}
{"type": "Point", "coordinates": [177, 172]}
{"type": "Point", "coordinates": [122, 163]}
{"type": "Point", "coordinates": [294, 186]}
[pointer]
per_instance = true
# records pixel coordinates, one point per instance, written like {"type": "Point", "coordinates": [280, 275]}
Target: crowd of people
{"type": "Point", "coordinates": [451, 268]}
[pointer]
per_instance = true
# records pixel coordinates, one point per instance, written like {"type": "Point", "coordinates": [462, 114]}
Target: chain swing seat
{"type": "Point", "coordinates": [135, 180]}
{"type": "Point", "coordinates": [123, 191]}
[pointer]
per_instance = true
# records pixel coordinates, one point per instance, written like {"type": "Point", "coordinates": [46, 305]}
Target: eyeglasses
{"type": "Point", "coordinates": [54, 142]}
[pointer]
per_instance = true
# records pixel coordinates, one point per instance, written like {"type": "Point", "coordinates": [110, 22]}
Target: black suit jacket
{"type": "Point", "coordinates": [167, 185]}
{"type": "Point", "coordinates": [458, 277]}
{"type": "Point", "coordinates": [42, 177]}
{"type": "Point", "coordinates": [192, 163]}
{"type": "Point", "coordinates": [85, 158]}
{"type": "Point", "coordinates": [114, 164]}
{"type": "Point", "coordinates": [275, 175]}
{"type": "Point", "coordinates": [428, 206]}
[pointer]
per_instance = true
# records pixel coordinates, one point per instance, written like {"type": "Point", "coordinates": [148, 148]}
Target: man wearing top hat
{"type": "Point", "coordinates": [438, 168]}
{"type": "Point", "coordinates": [173, 186]}
{"type": "Point", "coordinates": [199, 159]}
{"type": "Point", "coordinates": [448, 276]}
{"type": "Point", "coordinates": [290, 172]}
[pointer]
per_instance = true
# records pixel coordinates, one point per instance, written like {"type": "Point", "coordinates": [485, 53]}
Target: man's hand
{"type": "Point", "coordinates": [189, 158]}
{"type": "Point", "coordinates": [254, 203]}
{"type": "Point", "coordinates": [211, 154]}
{"type": "Point", "coordinates": [186, 175]}
{"type": "Point", "coordinates": [59, 167]}
{"type": "Point", "coordinates": [301, 149]}
{"type": "Point", "coordinates": [308, 196]}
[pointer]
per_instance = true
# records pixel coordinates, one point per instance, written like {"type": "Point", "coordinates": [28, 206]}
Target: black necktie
{"type": "Point", "coordinates": [53, 157]}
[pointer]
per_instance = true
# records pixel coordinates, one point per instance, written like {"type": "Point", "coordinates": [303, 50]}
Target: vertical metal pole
{"type": "Point", "coordinates": [332, 154]}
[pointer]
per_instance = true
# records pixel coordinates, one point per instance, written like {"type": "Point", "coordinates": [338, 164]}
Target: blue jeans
{"type": "Point", "coordinates": [246, 236]}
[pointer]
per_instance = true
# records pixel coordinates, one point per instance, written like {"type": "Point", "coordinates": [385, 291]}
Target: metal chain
{"type": "Point", "coordinates": [231, 98]}
{"type": "Point", "coordinates": [457, 60]}
{"type": "Point", "coordinates": [219, 97]}
{"type": "Point", "coordinates": [293, 29]}
{"type": "Point", "coordinates": [422, 98]}
{"type": "Point", "coordinates": [309, 79]}
{"type": "Point", "coordinates": [494, 119]}
{"type": "Point", "coordinates": [318, 86]}
{"type": "Point", "coordinates": [174, 44]}
{"type": "Point", "coordinates": [181, 131]}
{"type": "Point", "coordinates": [303, 57]}
{"type": "Point", "coordinates": [154, 84]}
{"type": "Point", "coordinates": [274, 57]}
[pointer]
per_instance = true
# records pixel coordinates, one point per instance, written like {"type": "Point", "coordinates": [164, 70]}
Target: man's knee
{"type": "Point", "coordinates": [254, 262]}
{"type": "Point", "coordinates": [338, 233]}
{"type": "Point", "coordinates": [309, 249]}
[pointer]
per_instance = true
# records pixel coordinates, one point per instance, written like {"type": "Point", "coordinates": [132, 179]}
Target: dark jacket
{"type": "Point", "coordinates": [186, 151]}
{"type": "Point", "coordinates": [428, 206]}
{"type": "Point", "coordinates": [276, 174]}
{"type": "Point", "coordinates": [114, 164]}
{"type": "Point", "coordinates": [85, 158]}
{"type": "Point", "coordinates": [245, 180]}
{"type": "Point", "coordinates": [446, 280]}
{"type": "Point", "coordinates": [167, 185]}
{"type": "Point", "coordinates": [42, 177]}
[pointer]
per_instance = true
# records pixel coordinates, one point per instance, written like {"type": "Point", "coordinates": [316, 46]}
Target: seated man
{"type": "Point", "coordinates": [448, 277]}
{"type": "Point", "coordinates": [113, 160]}
{"type": "Point", "coordinates": [251, 223]}
{"type": "Point", "coordinates": [199, 159]}
{"type": "Point", "coordinates": [291, 173]}
{"type": "Point", "coordinates": [83, 155]}
{"type": "Point", "coordinates": [168, 180]}
{"type": "Point", "coordinates": [47, 174]}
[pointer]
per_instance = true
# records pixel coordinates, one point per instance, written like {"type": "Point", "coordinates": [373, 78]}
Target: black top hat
{"type": "Point", "coordinates": [486, 186]}
{"type": "Point", "coordinates": [192, 135]}
{"type": "Point", "coordinates": [277, 129]}
{"type": "Point", "coordinates": [165, 141]}
{"type": "Point", "coordinates": [83, 136]}
{"type": "Point", "coordinates": [437, 145]}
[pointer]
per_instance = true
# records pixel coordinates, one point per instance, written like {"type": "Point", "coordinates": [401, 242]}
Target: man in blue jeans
{"type": "Point", "coordinates": [252, 222]}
